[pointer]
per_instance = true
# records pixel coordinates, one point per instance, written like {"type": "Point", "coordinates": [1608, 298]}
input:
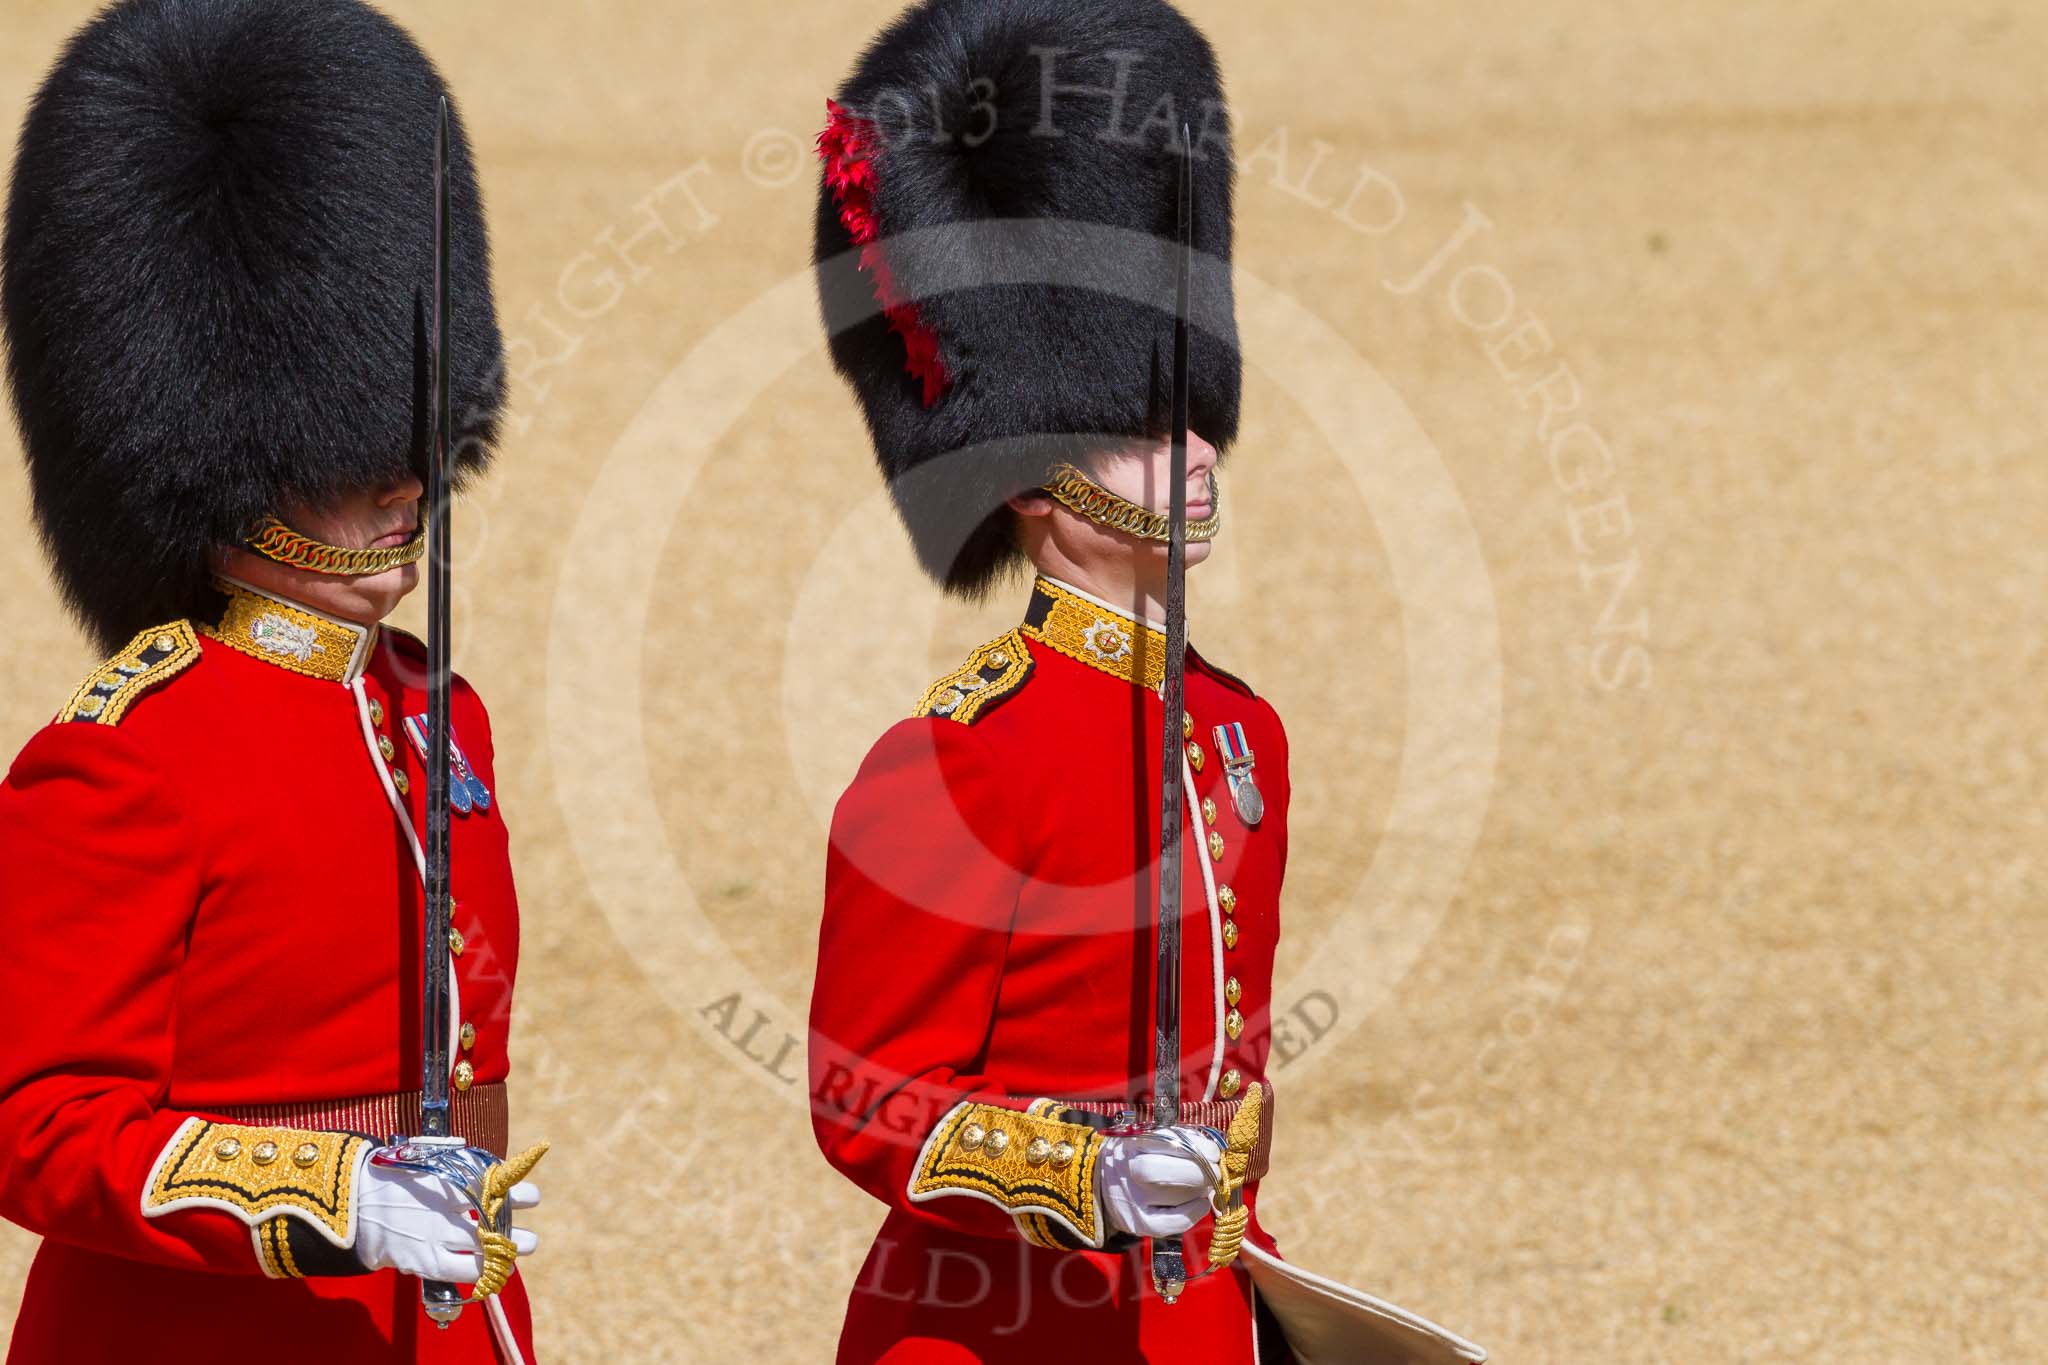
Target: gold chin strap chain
{"type": "Point", "coordinates": [1074, 490]}
{"type": "Point", "coordinates": [275, 540]}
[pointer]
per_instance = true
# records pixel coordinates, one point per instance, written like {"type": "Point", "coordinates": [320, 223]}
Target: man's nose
{"type": "Point", "coordinates": [410, 489]}
{"type": "Point", "coordinates": [1201, 455]}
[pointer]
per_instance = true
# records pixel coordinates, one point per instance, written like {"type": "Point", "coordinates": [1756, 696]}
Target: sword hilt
{"type": "Point", "coordinates": [1169, 1268]}
{"type": "Point", "coordinates": [466, 1169]}
{"type": "Point", "coordinates": [443, 1302]}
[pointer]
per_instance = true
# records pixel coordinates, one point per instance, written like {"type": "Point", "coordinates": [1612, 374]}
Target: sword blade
{"type": "Point", "coordinates": [442, 1301]}
{"type": "Point", "coordinates": [1166, 1033]}
{"type": "Point", "coordinates": [1168, 1268]}
{"type": "Point", "coordinates": [434, 1013]}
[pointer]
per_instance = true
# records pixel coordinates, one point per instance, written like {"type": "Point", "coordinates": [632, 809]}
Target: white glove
{"type": "Point", "coordinates": [1151, 1186]}
{"type": "Point", "coordinates": [418, 1224]}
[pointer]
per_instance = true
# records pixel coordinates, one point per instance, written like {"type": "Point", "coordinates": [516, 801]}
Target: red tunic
{"type": "Point", "coordinates": [210, 902]}
{"type": "Point", "coordinates": [988, 936]}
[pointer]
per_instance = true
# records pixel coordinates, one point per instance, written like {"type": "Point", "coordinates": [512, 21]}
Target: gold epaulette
{"type": "Point", "coordinates": [149, 660]}
{"type": "Point", "coordinates": [1034, 1164]}
{"type": "Point", "coordinates": [993, 672]}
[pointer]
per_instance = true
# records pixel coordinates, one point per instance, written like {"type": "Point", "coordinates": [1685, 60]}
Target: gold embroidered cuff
{"type": "Point", "coordinates": [274, 1250]}
{"type": "Point", "coordinates": [258, 1173]}
{"type": "Point", "coordinates": [288, 1249]}
{"type": "Point", "coordinates": [1042, 1231]}
{"type": "Point", "coordinates": [1039, 1168]}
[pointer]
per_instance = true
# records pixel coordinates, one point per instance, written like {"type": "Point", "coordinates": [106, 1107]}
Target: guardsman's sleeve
{"type": "Point", "coordinates": [100, 879]}
{"type": "Point", "coordinates": [921, 886]}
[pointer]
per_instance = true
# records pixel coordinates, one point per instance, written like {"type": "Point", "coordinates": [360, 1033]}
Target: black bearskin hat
{"type": "Point", "coordinates": [994, 251]}
{"type": "Point", "coordinates": [216, 279]}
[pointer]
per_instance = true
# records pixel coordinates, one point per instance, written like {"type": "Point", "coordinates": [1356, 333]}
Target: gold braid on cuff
{"type": "Point", "coordinates": [1079, 493]}
{"type": "Point", "coordinates": [254, 1171]}
{"type": "Point", "coordinates": [275, 540]}
{"type": "Point", "coordinates": [1033, 1163]}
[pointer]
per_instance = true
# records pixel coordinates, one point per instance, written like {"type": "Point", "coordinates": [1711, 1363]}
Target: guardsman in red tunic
{"type": "Point", "coordinates": [993, 255]}
{"type": "Point", "coordinates": [218, 237]}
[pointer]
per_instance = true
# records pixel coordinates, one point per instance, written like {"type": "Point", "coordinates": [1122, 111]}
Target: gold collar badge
{"type": "Point", "coordinates": [291, 636]}
{"type": "Point", "coordinates": [1095, 633]}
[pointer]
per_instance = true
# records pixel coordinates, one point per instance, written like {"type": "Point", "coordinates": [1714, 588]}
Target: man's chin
{"type": "Point", "coordinates": [371, 598]}
{"type": "Point", "coordinates": [394, 586]}
{"type": "Point", "coordinates": [1197, 551]}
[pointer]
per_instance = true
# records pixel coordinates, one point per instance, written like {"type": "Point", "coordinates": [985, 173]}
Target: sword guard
{"type": "Point", "coordinates": [486, 1182]}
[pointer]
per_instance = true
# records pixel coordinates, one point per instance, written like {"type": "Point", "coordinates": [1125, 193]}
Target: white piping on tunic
{"type": "Point", "coordinates": [1215, 922]}
{"type": "Point", "coordinates": [501, 1328]}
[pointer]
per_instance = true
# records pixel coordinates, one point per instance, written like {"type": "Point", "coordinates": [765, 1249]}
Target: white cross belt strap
{"type": "Point", "coordinates": [1327, 1323]}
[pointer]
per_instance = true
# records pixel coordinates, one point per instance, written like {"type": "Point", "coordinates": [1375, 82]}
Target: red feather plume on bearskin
{"type": "Point", "coordinates": [850, 173]}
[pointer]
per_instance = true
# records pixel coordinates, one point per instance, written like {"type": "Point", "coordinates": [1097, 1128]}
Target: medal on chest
{"type": "Point", "coordinates": [466, 791]}
{"type": "Point", "coordinates": [1238, 761]}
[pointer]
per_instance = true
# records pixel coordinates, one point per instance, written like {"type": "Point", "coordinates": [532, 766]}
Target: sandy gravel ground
{"type": "Point", "coordinates": [1669, 785]}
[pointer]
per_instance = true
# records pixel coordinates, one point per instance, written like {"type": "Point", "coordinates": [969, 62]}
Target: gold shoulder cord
{"type": "Point", "coordinates": [1079, 493]}
{"type": "Point", "coordinates": [277, 541]}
